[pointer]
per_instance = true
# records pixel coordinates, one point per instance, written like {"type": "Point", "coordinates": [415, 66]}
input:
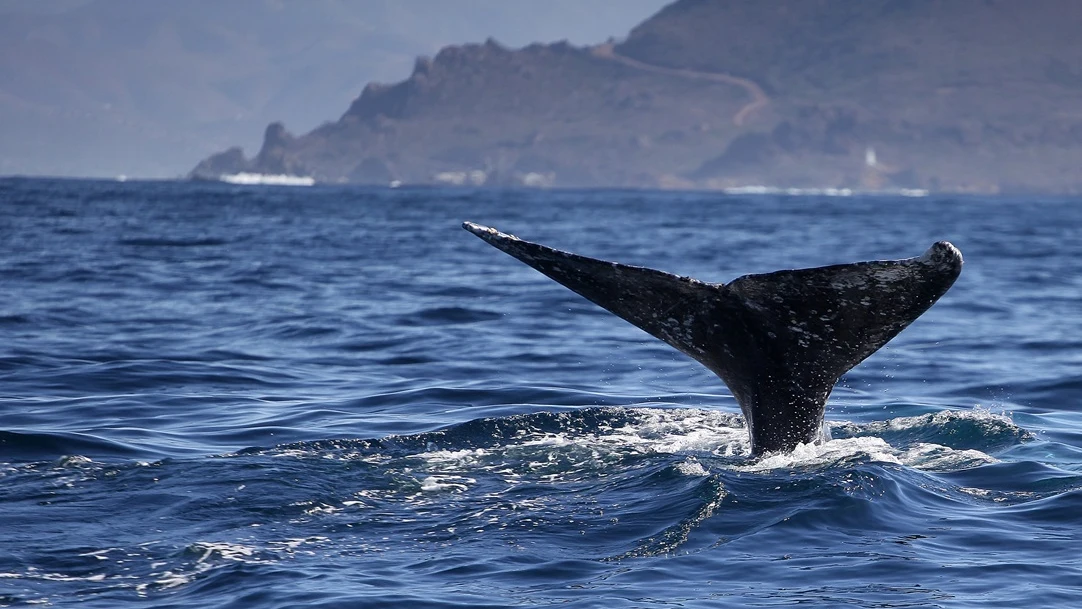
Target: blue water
{"type": "Point", "coordinates": [219, 396]}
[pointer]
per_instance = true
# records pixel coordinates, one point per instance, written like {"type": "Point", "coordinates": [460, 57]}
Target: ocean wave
{"type": "Point", "coordinates": [22, 446]}
{"type": "Point", "coordinates": [448, 316]}
{"type": "Point", "coordinates": [572, 439]}
{"type": "Point", "coordinates": [168, 242]}
{"type": "Point", "coordinates": [616, 484]}
{"type": "Point", "coordinates": [977, 428]}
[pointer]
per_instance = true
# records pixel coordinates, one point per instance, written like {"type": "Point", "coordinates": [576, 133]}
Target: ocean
{"type": "Point", "coordinates": [215, 395]}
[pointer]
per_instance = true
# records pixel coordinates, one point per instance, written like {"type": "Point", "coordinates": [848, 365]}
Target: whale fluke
{"type": "Point", "coordinates": [780, 341]}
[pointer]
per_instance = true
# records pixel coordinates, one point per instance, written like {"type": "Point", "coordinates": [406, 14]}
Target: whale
{"type": "Point", "coordinates": [779, 341]}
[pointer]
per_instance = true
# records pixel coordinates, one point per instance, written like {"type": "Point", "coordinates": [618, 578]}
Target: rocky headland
{"type": "Point", "coordinates": [939, 95]}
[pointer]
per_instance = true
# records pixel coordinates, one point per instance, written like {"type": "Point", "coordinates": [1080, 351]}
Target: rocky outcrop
{"type": "Point", "coordinates": [224, 163]}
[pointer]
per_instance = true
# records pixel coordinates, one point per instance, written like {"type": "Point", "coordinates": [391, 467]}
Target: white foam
{"type": "Point", "coordinates": [934, 457]}
{"type": "Point", "coordinates": [923, 456]}
{"type": "Point", "coordinates": [227, 551]}
{"type": "Point", "coordinates": [692, 467]}
{"type": "Point", "coordinates": [942, 418]}
{"type": "Point", "coordinates": [825, 453]}
{"type": "Point", "coordinates": [168, 579]}
{"type": "Point", "coordinates": [319, 508]}
{"type": "Point", "coordinates": [293, 545]}
{"type": "Point", "coordinates": [778, 190]}
{"type": "Point", "coordinates": [685, 430]}
{"type": "Point", "coordinates": [821, 192]}
{"type": "Point", "coordinates": [454, 456]}
{"type": "Point", "coordinates": [687, 433]}
{"type": "Point", "coordinates": [446, 483]}
{"type": "Point", "coordinates": [552, 456]}
{"type": "Point", "coordinates": [249, 179]}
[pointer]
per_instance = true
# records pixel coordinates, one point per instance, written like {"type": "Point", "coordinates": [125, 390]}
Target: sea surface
{"type": "Point", "coordinates": [251, 396]}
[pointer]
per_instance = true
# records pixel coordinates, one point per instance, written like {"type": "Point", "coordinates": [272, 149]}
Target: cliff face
{"type": "Point", "coordinates": [566, 114]}
{"type": "Point", "coordinates": [948, 95]}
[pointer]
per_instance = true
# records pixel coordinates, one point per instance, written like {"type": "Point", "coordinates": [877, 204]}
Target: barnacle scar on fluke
{"type": "Point", "coordinates": [780, 340]}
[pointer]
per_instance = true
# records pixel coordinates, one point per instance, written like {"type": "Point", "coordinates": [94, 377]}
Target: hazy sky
{"type": "Point", "coordinates": [148, 87]}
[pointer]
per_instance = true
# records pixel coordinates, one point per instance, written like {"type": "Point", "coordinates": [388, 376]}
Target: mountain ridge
{"type": "Point", "coordinates": [881, 94]}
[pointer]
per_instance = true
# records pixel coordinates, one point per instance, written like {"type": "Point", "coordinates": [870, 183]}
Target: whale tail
{"type": "Point", "coordinates": [779, 341]}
